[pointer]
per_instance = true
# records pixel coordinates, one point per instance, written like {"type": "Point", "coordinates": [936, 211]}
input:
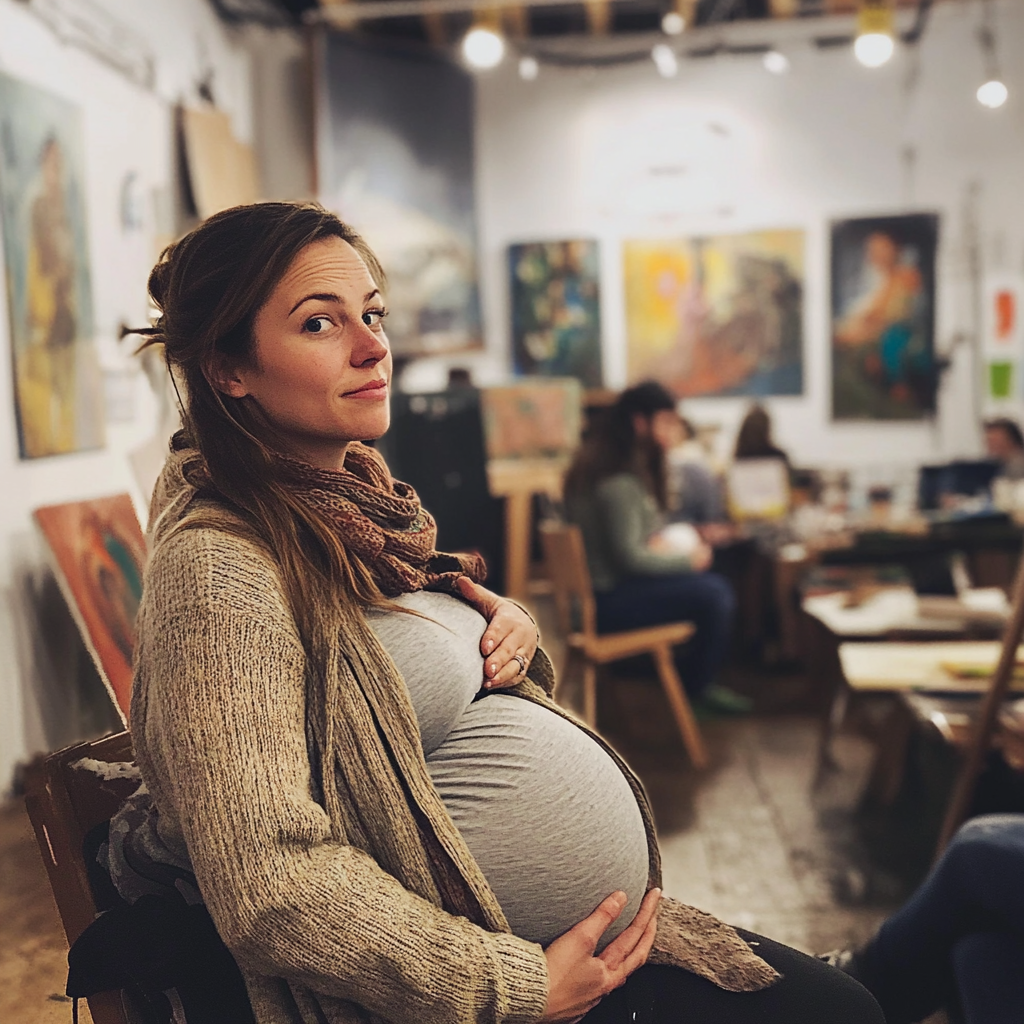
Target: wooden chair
{"type": "Point", "coordinates": [574, 598]}
{"type": "Point", "coordinates": [66, 796]}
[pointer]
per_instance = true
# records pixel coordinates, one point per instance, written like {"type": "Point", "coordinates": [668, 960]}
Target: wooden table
{"type": "Point", "coordinates": [517, 481]}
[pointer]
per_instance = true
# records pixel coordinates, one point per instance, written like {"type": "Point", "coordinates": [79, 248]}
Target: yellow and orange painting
{"type": "Point", "coordinates": [720, 315]}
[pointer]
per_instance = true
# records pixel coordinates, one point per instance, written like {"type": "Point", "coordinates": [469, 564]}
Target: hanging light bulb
{"type": "Point", "coordinates": [672, 23]}
{"type": "Point", "coordinates": [775, 62]}
{"type": "Point", "coordinates": [665, 60]}
{"type": "Point", "coordinates": [993, 94]}
{"type": "Point", "coordinates": [875, 42]}
{"type": "Point", "coordinates": [529, 68]}
{"type": "Point", "coordinates": [483, 47]}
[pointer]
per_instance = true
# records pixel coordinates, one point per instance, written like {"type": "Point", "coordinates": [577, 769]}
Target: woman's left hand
{"type": "Point", "coordinates": [510, 633]}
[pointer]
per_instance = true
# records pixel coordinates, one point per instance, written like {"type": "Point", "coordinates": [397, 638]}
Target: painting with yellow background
{"type": "Point", "coordinates": [42, 198]}
{"type": "Point", "coordinates": [721, 315]}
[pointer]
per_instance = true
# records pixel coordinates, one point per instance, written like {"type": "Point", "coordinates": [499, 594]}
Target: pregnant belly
{"type": "Point", "coordinates": [545, 812]}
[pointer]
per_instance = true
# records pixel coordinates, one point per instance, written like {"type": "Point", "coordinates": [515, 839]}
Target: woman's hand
{"type": "Point", "coordinates": [510, 632]}
{"type": "Point", "coordinates": [578, 980]}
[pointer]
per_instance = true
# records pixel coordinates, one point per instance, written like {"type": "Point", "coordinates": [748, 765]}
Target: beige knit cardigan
{"type": "Point", "coordinates": [322, 931]}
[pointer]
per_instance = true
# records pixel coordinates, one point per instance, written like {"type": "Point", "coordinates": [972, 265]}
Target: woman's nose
{"type": "Point", "coordinates": [370, 347]}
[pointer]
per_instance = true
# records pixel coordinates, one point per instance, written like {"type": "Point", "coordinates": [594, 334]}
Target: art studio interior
{"type": "Point", "coordinates": [512, 511]}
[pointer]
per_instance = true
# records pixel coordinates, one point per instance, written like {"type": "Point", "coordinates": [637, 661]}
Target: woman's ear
{"type": "Point", "coordinates": [225, 374]}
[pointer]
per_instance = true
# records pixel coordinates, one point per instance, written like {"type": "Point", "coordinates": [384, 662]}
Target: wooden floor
{"type": "Point", "coordinates": [746, 840]}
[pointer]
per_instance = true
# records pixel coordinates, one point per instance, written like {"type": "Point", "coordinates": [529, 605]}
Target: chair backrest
{"type": "Point", "coordinates": [67, 794]}
{"type": "Point", "coordinates": [566, 559]}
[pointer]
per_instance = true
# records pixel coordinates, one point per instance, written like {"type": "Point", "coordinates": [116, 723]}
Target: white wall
{"type": "Point", "coordinates": [47, 697]}
{"type": "Point", "coordinates": [571, 155]}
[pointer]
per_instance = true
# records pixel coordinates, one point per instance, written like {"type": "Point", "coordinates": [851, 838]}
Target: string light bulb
{"type": "Point", "coordinates": [672, 23]}
{"type": "Point", "coordinates": [665, 60]}
{"type": "Point", "coordinates": [875, 43]}
{"type": "Point", "coordinates": [775, 62]}
{"type": "Point", "coordinates": [483, 47]}
{"type": "Point", "coordinates": [529, 68]}
{"type": "Point", "coordinates": [993, 94]}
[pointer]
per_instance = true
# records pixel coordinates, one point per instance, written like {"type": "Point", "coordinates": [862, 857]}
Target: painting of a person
{"type": "Point", "coordinates": [882, 320]}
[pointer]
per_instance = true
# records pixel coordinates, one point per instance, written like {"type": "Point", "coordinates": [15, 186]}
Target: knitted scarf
{"type": "Point", "coordinates": [379, 519]}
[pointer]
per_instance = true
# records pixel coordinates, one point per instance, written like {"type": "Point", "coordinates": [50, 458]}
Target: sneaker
{"type": "Point", "coordinates": [724, 701]}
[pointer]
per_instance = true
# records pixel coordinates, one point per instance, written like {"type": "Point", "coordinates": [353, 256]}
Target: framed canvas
{"type": "Point", "coordinates": [395, 159]}
{"type": "Point", "coordinates": [58, 395]}
{"type": "Point", "coordinates": [532, 419]}
{"type": "Point", "coordinates": [556, 310]}
{"type": "Point", "coordinates": [97, 551]}
{"type": "Point", "coordinates": [883, 317]}
{"type": "Point", "coordinates": [717, 316]}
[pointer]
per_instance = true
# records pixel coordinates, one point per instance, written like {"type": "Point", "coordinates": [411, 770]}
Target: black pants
{"type": "Point", "coordinates": [810, 992]}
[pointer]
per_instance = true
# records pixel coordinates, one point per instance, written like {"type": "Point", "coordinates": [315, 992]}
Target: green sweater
{"type": "Point", "coordinates": [617, 519]}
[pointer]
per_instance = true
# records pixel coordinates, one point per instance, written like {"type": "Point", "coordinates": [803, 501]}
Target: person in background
{"type": "Point", "coordinates": [754, 440]}
{"type": "Point", "coordinates": [615, 490]}
{"type": "Point", "coordinates": [959, 938]}
{"type": "Point", "coordinates": [693, 491]}
{"type": "Point", "coordinates": [1005, 442]}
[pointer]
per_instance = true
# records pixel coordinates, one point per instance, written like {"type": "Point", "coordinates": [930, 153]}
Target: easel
{"type": "Point", "coordinates": [981, 739]}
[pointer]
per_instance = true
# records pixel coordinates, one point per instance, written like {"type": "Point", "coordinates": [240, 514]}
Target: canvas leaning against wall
{"type": "Point", "coordinates": [717, 316]}
{"type": "Point", "coordinates": [556, 310]}
{"type": "Point", "coordinates": [97, 551]}
{"type": "Point", "coordinates": [883, 317]}
{"type": "Point", "coordinates": [395, 160]}
{"type": "Point", "coordinates": [42, 197]}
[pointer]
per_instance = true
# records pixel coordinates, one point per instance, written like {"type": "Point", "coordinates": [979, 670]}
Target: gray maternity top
{"type": "Point", "coordinates": [545, 811]}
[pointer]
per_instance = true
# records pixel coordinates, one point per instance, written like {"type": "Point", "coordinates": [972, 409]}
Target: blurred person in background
{"type": "Point", "coordinates": [754, 440]}
{"type": "Point", "coordinates": [1005, 442]}
{"type": "Point", "coordinates": [644, 574]}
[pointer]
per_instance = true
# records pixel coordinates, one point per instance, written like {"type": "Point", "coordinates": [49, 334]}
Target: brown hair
{"type": "Point", "coordinates": [754, 439]}
{"type": "Point", "coordinates": [209, 287]}
{"type": "Point", "coordinates": [612, 444]}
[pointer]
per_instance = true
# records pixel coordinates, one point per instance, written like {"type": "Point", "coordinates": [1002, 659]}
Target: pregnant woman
{"type": "Point", "coordinates": [347, 739]}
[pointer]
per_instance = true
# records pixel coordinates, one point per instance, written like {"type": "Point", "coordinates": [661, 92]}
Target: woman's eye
{"type": "Point", "coordinates": [316, 324]}
{"type": "Point", "coordinates": [373, 317]}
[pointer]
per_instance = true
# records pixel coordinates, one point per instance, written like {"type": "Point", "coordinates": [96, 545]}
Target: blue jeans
{"type": "Point", "coordinates": [703, 598]}
{"type": "Point", "coordinates": [965, 923]}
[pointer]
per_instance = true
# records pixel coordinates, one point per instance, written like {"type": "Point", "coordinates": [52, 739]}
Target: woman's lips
{"type": "Point", "coordinates": [372, 390]}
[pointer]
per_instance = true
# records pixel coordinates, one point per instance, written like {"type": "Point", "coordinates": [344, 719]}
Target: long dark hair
{"type": "Point", "coordinates": [612, 444]}
{"type": "Point", "coordinates": [754, 440]}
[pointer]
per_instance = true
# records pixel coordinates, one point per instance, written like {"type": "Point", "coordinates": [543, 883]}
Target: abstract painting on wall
{"type": "Point", "coordinates": [42, 197]}
{"type": "Point", "coordinates": [883, 317]}
{"type": "Point", "coordinates": [556, 310]}
{"type": "Point", "coordinates": [717, 316]}
{"type": "Point", "coordinates": [395, 159]}
{"type": "Point", "coordinates": [98, 552]}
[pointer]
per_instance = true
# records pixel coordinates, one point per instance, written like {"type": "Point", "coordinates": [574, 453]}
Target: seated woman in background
{"type": "Point", "coordinates": [388, 819]}
{"type": "Point", "coordinates": [960, 937]}
{"type": "Point", "coordinates": [615, 492]}
{"type": "Point", "coordinates": [754, 440]}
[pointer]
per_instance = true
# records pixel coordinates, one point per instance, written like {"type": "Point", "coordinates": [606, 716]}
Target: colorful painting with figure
{"type": "Point", "coordinates": [395, 159]}
{"type": "Point", "coordinates": [98, 552]}
{"type": "Point", "coordinates": [717, 316]}
{"type": "Point", "coordinates": [883, 317]}
{"type": "Point", "coordinates": [556, 310]}
{"type": "Point", "coordinates": [42, 206]}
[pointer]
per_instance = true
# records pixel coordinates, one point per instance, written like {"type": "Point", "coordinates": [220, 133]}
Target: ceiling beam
{"type": "Point", "coordinates": [343, 12]}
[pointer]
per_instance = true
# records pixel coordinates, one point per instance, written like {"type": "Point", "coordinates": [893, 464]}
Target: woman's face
{"type": "Point", "coordinates": [321, 366]}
